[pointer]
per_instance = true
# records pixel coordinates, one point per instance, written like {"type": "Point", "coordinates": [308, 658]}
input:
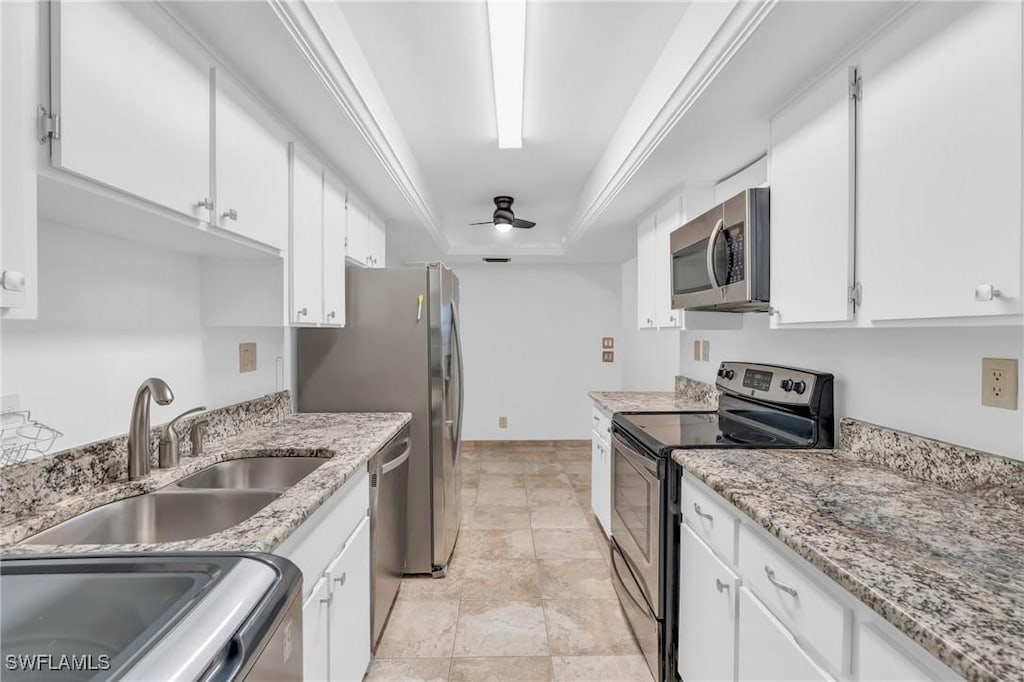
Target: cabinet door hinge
{"type": "Point", "coordinates": [49, 126]}
{"type": "Point", "coordinates": [856, 83]}
{"type": "Point", "coordinates": [856, 294]}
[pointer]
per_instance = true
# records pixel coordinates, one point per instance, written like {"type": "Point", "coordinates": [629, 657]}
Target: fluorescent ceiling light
{"type": "Point", "coordinates": [507, 20]}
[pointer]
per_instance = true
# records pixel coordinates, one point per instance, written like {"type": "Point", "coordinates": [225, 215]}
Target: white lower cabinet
{"type": "Point", "coordinates": [349, 627]}
{"type": "Point", "coordinates": [707, 612]}
{"type": "Point", "coordinates": [767, 650]}
{"type": "Point", "coordinates": [315, 626]}
{"type": "Point", "coordinates": [751, 609]}
{"type": "Point", "coordinates": [332, 549]}
{"type": "Point", "coordinates": [601, 469]}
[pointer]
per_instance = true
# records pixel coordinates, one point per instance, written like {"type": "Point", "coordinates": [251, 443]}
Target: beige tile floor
{"type": "Point", "coordinates": [528, 596]}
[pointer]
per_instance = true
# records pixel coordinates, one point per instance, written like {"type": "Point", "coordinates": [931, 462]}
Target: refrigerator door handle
{"type": "Point", "coordinates": [457, 339]}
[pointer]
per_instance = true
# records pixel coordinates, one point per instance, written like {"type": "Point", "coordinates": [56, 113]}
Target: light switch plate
{"type": "Point", "coordinates": [608, 356]}
{"type": "Point", "coordinates": [247, 357]}
{"type": "Point", "coordinates": [999, 383]}
{"type": "Point", "coordinates": [502, 422]}
{"type": "Point", "coordinates": [696, 350]}
{"type": "Point", "coordinates": [608, 342]}
{"type": "Point", "coordinates": [705, 350]}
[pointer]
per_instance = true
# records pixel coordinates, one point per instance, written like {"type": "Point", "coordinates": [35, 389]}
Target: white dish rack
{"type": "Point", "coordinates": [21, 437]}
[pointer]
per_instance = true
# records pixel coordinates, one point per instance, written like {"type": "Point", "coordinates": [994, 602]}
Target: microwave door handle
{"type": "Point", "coordinates": [712, 277]}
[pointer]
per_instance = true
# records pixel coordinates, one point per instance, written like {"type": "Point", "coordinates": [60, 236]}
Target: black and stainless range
{"type": "Point", "coordinates": [759, 406]}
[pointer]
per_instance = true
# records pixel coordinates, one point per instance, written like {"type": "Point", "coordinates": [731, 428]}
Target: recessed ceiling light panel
{"type": "Point", "coordinates": [507, 22]}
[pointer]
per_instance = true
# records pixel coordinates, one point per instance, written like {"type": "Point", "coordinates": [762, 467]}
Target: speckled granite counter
{"type": "Point", "coordinates": [942, 559]}
{"type": "Point", "coordinates": [346, 440]}
{"type": "Point", "coordinates": [690, 394]}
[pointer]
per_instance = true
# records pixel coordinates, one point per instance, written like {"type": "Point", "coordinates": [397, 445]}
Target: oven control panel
{"type": "Point", "coordinates": [772, 383]}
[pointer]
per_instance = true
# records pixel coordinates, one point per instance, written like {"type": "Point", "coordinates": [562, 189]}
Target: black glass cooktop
{"type": "Point", "coordinates": [662, 432]}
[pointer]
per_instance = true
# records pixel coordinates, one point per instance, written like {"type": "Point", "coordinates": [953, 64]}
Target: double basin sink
{"type": "Point", "coordinates": [206, 502]}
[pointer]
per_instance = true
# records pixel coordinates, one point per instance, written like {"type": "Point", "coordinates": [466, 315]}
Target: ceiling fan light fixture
{"type": "Point", "coordinates": [506, 20]}
{"type": "Point", "coordinates": [502, 226]}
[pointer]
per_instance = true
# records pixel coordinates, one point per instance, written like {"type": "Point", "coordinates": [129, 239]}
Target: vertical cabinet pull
{"type": "Point", "coordinates": [720, 585]}
{"type": "Point", "coordinates": [341, 579]}
{"type": "Point", "coordinates": [205, 203]}
{"type": "Point", "coordinates": [230, 214]}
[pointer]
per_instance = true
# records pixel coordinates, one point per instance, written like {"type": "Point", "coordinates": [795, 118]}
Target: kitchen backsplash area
{"type": "Point", "coordinates": [696, 391]}
{"type": "Point", "coordinates": [29, 486]}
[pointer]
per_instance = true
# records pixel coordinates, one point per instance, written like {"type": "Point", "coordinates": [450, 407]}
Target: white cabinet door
{"type": "Point", "coordinates": [812, 184]}
{"type": "Point", "coordinates": [133, 93]}
{"type": "Point", "coordinates": [357, 244]}
{"type": "Point", "coordinates": [377, 242]}
{"type": "Point", "coordinates": [334, 251]}
{"type": "Point", "coordinates": [707, 612]}
{"type": "Point", "coordinates": [645, 251]}
{"type": "Point", "coordinates": [251, 160]}
{"type": "Point", "coordinates": [939, 164]}
{"type": "Point", "coordinates": [306, 252]}
{"type": "Point", "coordinates": [767, 650]}
{"type": "Point", "coordinates": [878, 660]}
{"type": "Point", "coordinates": [349, 574]}
{"type": "Point", "coordinates": [667, 218]}
{"type": "Point", "coordinates": [315, 627]}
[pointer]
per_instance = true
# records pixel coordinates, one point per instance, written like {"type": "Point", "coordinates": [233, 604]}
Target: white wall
{"type": "Point", "coordinates": [649, 357]}
{"type": "Point", "coordinates": [925, 381]}
{"type": "Point", "coordinates": [532, 347]}
{"type": "Point", "coordinates": [111, 313]}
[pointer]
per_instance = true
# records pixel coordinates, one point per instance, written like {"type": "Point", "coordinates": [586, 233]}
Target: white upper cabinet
{"type": "Point", "coordinates": [334, 251]}
{"type": "Point", "coordinates": [306, 252]}
{"type": "Point", "coordinates": [357, 243]}
{"type": "Point", "coordinates": [250, 155]}
{"type": "Point", "coordinates": [812, 204]}
{"type": "Point", "coordinates": [377, 242]}
{"type": "Point", "coordinates": [646, 257]}
{"type": "Point", "coordinates": [667, 218]}
{"type": "Point", "coordinates": [939, 165]}
{"type": "Point", "coordinates": [133, 94]}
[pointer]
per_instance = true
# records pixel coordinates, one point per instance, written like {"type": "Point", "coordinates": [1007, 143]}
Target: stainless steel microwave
{"type": "Point", "coordinates": [720, 259]}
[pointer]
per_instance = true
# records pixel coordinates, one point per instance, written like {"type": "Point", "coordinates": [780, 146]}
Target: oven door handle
{"type": "Point", "coordinates": [635, 458]}
{"type": "Point", "coordinates": [712, 276]}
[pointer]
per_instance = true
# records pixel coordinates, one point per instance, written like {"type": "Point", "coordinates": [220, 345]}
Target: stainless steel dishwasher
{"type": "Point", "coordinates": [389, 493]}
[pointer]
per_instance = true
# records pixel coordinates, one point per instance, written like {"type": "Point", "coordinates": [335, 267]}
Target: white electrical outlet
{"type": "Point", "coordinates": [502, 422]}
{"type": "Point", "coordinates": [999, 383]}
{"type": "Point", "coordinates": [696, 350]}
{"type": "Point", "coordinates": [247, 357]}
{"type": "Point", "coordinates": [705, 350]}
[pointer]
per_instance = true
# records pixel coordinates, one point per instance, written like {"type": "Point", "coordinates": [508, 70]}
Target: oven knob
{"type": "Point", "coordinates": [729, 374]}
{"type": "Point", "coordinates": [721, 371]}
{"type": "Point", "coordinates": [786, 385]}
{"type": "Point", "coordinates": [799, 387]}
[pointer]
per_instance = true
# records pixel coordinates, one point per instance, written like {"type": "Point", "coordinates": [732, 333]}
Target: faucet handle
{"type": "Point", "coordinates": [168, 450]}
{"type": "Point", "coordinates": [195, 435]}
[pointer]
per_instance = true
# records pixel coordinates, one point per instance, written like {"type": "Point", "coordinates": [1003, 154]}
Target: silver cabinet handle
{"type": "Point", "coordinates": [703, 515]}
{"type": "Point", "coordinates": [720, 585]}
{"type": "Point", "coordinates": [768, 571]}
{"type": "Point", "coordinates": [341, 578]}
{"type": "Point", "coordinates": [230, 214]}
{"type": "Point", "coordinates": [205, 203]}
{"type": "Point", "coordinates": [671, 318]}
{"type": "Point", "coordinates": [986, 292]}
{"type": "Point", "coordinates": [327, 600]}
{"type": "Point", "coordinates": [302, 312]}
{"type": "Point", "coordinates": [12, 280]}
{"type": "Point", "coordinates": [330, 315]}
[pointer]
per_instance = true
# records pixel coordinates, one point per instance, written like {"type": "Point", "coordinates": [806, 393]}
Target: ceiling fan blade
{"type": "Point", "coordinates": [489, 222]}
{"type": "Point", "coordinates": [525, 224]}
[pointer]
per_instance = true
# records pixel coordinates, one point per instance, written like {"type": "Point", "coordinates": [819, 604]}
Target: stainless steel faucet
{"type": "Point", "coordinates": [168, 454]}
{"type": "Point", "coordinates": [139, 444]}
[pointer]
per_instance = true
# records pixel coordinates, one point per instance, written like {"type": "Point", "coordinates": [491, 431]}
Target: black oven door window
{"type": "Point", "coordinates": [690, 269]}
{"type": "Point", "coordinates": [632, 496]}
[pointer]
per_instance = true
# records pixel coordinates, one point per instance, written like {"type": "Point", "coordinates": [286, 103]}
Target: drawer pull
{"type": "Point", "coordinates": [341, 579]}
{"type": "Point", "coordinates": [704, 515]}
{"type": "Point", "coordinates": [720, 585]}
{"type": "Point", "coordinates": [782, 586]}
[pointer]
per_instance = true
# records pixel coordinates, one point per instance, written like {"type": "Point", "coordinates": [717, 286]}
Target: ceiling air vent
{"type": "Point", "coordinates": [497, 260]}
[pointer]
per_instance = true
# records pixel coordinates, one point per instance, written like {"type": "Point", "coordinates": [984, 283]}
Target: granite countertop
{"type": "Point", "coordinates": [945, 566]}
{"type": "Point", "coordinates": [646, 401]}
{"type": "Point", "coordinates": [346, 440]}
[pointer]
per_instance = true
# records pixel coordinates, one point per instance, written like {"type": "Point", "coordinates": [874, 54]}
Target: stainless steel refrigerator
{"type": "Point", "coordinates": [400, 351]}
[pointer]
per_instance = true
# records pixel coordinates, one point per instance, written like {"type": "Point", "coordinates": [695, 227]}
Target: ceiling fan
{"type": "Point", "coordinates": [504, 219]}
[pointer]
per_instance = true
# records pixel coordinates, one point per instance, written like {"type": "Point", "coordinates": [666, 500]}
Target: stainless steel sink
{"type": "Point", "coordinates": [163, 516]}
{"type": "Point", "coordinates": [269, 473]}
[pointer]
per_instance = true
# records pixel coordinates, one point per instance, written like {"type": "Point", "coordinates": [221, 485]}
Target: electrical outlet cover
{"type": "Point", "coordinates": [705, 350]}
{"type": "Point", "coordinates": [696, 350]}
{"type": "Point", "coordinates": [608, 342]}
{"type": "Point", "coordinates": [503, 422]}
{"type": "Point", "coordinates": [608, 356]}
{"type": "Point", "coordinates": [247, 357]}
{"type": "Point", "coordinates": [999, 383]}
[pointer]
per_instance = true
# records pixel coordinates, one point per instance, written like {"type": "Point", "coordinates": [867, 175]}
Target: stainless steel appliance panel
{"type": "Point", "coordinates": [636, 517]}
{"type": "Point", "coordinates": [638, 612]}
{"type": "Point", "coordinates": [389, 486]}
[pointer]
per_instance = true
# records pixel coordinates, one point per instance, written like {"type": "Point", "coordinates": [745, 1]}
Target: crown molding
{"type": "Point", "coordinates": [299, 21]}
{"type": "Point", "coordinates": [734, 31]}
